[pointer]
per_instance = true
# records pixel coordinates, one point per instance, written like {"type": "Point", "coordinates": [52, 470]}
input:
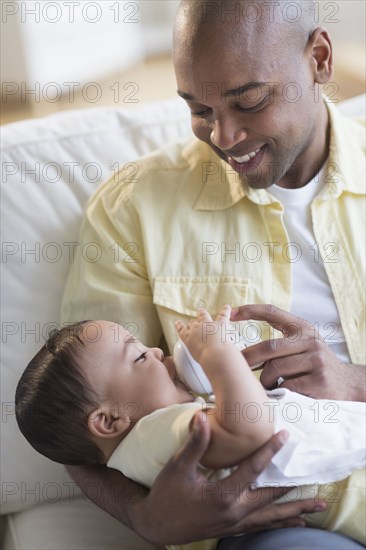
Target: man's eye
{"type": "Point", "coordinates": [255, 107]}
{"type": "Point", "coordinates": [141, 357]}
{"type": "Point", "coordinates": [201, 113]}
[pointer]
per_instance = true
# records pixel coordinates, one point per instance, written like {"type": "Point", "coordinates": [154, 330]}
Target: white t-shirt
{"type": "Point", "coordinates": [308, 265]}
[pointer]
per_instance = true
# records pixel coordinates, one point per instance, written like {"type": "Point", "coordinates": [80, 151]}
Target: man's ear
{"type": "Point", "coordinates": [322, 55]}
{"type": "Point", "coordinates": [104, 422]}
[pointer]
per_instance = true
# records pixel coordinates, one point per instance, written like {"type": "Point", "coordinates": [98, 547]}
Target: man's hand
{"type": "Point", "coordinates": [183, 506]}
{"type": "Point", "coordinates": [301, 358]}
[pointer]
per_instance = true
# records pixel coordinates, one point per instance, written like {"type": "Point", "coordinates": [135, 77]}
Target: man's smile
{"type": "Point", "coordinates": [247, 163]}
{"type": "Point", "coordinates": [246, 157]}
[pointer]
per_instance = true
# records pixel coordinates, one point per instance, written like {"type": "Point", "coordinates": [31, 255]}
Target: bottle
{"type": "Point", "coordinates": [190, 371]}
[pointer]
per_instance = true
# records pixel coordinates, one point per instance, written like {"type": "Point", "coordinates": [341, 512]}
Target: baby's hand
{"type": "Point", "coordinates": [203, 333]}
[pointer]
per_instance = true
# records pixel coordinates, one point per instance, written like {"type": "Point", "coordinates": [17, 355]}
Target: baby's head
{"type": "Point", "coordinates": [87, 387]}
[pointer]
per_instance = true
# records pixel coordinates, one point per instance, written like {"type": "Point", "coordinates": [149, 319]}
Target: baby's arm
{"type": "Point", "coordinates": [239, 423]}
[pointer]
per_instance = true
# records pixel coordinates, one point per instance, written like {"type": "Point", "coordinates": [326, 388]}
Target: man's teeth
{"type": "Point", "coordinates": [247, 157]}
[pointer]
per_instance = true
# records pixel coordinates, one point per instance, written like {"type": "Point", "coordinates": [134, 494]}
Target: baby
{"type": "Point", "coordinates": [94, 394]}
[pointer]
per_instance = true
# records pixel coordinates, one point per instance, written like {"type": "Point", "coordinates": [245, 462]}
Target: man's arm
{"type": "Point", "coordinates": [182, 506]}
{"type": "Point", "coordinates": [108, 276]}
{"type": "Point", "coordinates": [109, 489]}
{"type": "Point", "coordinates": [306, 364]}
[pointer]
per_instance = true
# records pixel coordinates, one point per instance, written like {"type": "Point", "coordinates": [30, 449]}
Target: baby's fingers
{"type": "Point", "coordinates": [203, 315]}
{"type": "Point", "coordinates": [224, 315]}
{"type": "Point", "coordinates": [181, 328]}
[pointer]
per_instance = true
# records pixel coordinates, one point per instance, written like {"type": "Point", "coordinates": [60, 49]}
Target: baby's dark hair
{"type": "Point", "coordinates": [53, 400]}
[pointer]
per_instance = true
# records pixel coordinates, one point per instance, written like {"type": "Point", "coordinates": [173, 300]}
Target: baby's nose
{"type": "Point", "coordinates": [158, 353]}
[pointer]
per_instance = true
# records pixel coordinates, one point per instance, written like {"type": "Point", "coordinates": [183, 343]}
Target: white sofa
{"type": "Point", "coordinates": [50, 167]}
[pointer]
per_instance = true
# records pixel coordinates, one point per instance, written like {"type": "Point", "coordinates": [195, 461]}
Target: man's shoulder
{"type": "Point", "coordinates": [349, 128]}
{"type": "Point", "coordinates": [347, 152]}
{"type": "Point", "coordinates": [177, 155]}
{"type": "Point", "coordinates": [355, 126]}
{"type": "Point", "coordinates": [159, 173]}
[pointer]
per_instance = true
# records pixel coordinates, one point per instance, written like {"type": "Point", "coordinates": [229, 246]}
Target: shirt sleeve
{"type": "Point", "coordinates": [145, 451]}
{"type": "Point", "coordinates": [108, 277]}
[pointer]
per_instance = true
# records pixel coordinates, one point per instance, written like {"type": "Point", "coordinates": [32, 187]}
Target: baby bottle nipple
{"type": "Point", "coordinates": [191, 373]}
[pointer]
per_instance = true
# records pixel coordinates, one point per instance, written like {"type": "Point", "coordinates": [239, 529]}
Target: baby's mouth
{"type": "Point", "coordinates": [170, 366]}
{"type": "Point", "coordinates": [172, 370]}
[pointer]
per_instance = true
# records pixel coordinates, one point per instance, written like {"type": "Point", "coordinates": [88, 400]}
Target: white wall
{"type": "Point", "coordinates": [345, 19]}
{"type": "Point", "coordinates": [157, 18]}
{"type": "Point", "coordinates": [59, 42]}
{"type": "Point", "coordinates": [77, 41]}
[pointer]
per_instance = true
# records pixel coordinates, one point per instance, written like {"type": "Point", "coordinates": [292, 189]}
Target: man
{"type": "Point", "coordinates": [199, 228]}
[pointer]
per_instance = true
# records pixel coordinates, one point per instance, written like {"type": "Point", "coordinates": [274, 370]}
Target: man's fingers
{"type": "Point", "coordinates": [297, 369]}
{"type": "Point", "coordinates": [294, 380]}
{"type": "Point", "coordinates": [261, 458]}
{"type": "Point", "coordinates": [296, 508]}
{"type": "Point", "coordinates": [263, 312]}
{"type": "Point", "coordinates": [278, 318]}
{"type": "Point", "coordinates": [195, 447]}
{"type": "Point", "coordinates": [278, 348]}
{"type": "Point", "coordinates": [275, 516]}
{"type": "Point", "coordinates": [264, 496]}
{"type": "Point", "coordinates": [253, 465]}
{"type": "Point", "coordinates": [281, 515]}
{"type": "Point", "coordinates": [290, 522]}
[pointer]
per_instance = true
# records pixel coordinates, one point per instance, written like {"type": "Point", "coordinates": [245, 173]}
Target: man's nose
{"type": "Point", "coordinates": [227, 132]}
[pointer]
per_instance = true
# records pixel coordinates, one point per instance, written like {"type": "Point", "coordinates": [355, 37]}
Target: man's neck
{"type": "Point", "coordinates": [309, 163]}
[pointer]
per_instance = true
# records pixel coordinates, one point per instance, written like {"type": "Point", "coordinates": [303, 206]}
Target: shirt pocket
{"type": "Point", "coordinates": [185, 295]}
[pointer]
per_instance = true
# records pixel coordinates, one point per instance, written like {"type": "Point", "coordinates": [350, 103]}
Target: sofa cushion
{"type": "Point", "coordinates": [50, 167]}
{"type": "Point", "coordinates": [83, 526]}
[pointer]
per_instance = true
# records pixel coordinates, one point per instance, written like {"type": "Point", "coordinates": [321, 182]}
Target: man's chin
{"type": "Point", "coordinates": [256, 184]}
{"type": "Point", "coordinates": [254, 181]}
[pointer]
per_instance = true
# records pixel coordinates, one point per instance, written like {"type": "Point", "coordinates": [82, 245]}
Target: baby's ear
{"type": "Point", "coordinates": [105, 423]}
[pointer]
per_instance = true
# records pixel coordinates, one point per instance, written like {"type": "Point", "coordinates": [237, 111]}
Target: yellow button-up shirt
{"type": "Point", "coordinates": [184, 231]}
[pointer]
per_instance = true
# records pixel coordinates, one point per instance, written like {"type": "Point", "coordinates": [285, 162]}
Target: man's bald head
{"type": "Point", "coordinates": [249, 71]}
{"type": "Point", "coordinates": [276, 22]}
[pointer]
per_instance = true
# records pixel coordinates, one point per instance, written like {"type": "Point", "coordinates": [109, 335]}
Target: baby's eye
{"type": "Point", "coordinates": [141, 357]}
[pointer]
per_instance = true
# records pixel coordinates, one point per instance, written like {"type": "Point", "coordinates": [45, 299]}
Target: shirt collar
{"type": "Point", "coordinates": [222, 187]}
{"type": "Point", "coordinates": [345, 167]}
